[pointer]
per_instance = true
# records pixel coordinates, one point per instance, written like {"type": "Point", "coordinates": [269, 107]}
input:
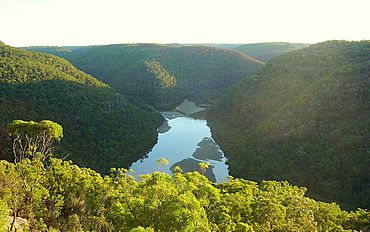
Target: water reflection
{"type": "Point", "coordinates": [191, 165]}
{"type": "Point", "coordinates": [184, 142]}
{"type": "Point", "coordinates": [208, 150]}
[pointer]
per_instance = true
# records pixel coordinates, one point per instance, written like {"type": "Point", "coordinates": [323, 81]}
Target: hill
{"type": "Point", "coordinates": [266, 51]}
{"type": "Point", "coordinates": [102, 129]}
{"type": "Point", "coordinates": [304, 118]}
{"type": "Point", "coordinates": [161, 75]}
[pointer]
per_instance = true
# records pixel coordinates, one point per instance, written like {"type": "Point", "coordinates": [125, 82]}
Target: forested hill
{"type": "Point", "coordinates": [305, 119]}
{"type": "Point", "coordinates": [101, 128]}
{"type": "Point", "coordinates": [267, 51]}
{"type": "Point", "coordinates": [161, 75]}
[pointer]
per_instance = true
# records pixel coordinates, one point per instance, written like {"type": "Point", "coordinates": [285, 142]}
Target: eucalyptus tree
{"type": "Point", "coordinates": [30, 138]}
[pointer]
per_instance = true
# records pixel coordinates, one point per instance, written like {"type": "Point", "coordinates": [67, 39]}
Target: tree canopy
{"type": "Point", "coordinates": [31, 137]}
{"type": "Point", "coordinates": [266, 51]}
{"type": "Point", "coordinates": [35, 86]}
{"type": "Point", "coordinates": [70, 198]}
{"type": "Point", "coordinates": [55, 195]}
{"type": "Point", "coordinates": [140, 71]}
{"type": "Point", "coordinates": [303, 118]}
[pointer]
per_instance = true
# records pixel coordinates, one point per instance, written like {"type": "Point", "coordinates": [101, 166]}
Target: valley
{"type": "Point", "coordinates": [160, 75]}
{"type": "Point", "coordinates": [274, 121]}
{"type": "Point", "coordinates": [184, 116]}
{"type": "Point", "coordinates": [193, 131]}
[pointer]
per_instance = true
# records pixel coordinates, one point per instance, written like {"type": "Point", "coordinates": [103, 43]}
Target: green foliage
{"type": "Point", "coordinates": [203, 167]}
{"type": "Point", "coordinates": [31, 137]}
{"type": "Point", "coordinates": [162, 162]}
{"type": "Point", "coordinates": [4, 216]}
{"type": "Point", "coordinates": [303, 118]}
{"type": "Point", "coordinates": [177, 169]}
{"type": "Point", "coordinates": [161, 75]}
{"type": "Point", "coordinates": [266, 51]}
{"type": "Point", "coordinates": [142, 229]}
{"type": "Point", "coordinates": [61, 196]}
{"type": "Point", "coordinates": [165, 79]}
{"type": "Point", "coordinates": [35, 86]}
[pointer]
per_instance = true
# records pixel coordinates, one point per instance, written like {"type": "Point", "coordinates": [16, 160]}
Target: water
{"type": "Point", "coordinates": [184, 142]}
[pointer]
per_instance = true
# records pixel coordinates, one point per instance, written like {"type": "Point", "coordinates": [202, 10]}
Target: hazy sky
{"type": "Point", "coordinates": [86, 22]}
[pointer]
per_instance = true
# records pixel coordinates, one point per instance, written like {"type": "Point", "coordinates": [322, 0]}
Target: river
{"type": "Point", "coordinates": [184, 142]}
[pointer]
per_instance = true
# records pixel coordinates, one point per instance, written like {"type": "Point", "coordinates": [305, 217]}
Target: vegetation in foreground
{"type": "Point", "coordinates": [305, 119]}
{"type": "Point", "coordinates": [102, 129]}
{"type": "Point", "coordinates": [59, 196]}
{"type": "Point", "coordinates": [55, 195]}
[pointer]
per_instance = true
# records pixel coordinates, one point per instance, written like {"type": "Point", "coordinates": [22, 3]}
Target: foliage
{"type": "Point", "coordinates": [303, 118]}
{"type": "Point", "coordinates": [4, 216]}
{"type": "Point", "coordinates": [55, 195]}
{"type": "Point", "coordinates": [31, 137]}
{"type": "Point", "coordinates": [142, 229]}
{"type": "Point", "coordinates": [140, 71]}
{"type": "Point", "coordinates": [165, 79]}
{"type": "Point", "coordinates": [203, 167]}
{"type": "Point", "coordinates": [35, 86]}
{"type": "Point", "coordinates": [266, 51]}
{"type": "Point", "coordinates": [162, 161]}
{"type": "Point", "coordinates": [69, 198]}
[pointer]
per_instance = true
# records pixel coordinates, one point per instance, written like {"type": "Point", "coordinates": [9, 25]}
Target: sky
{"type": "Point", "coordinates": [93, 22]}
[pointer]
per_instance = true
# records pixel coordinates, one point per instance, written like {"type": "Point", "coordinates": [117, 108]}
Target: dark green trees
{"type": "Point", "coordinates": [266, 51]}
{"type": "Point", "coordinates": [304, 119]}
{"type": "Point", "coordinates": [35, 86]}
{"type": "Point", "coordinates": [139, 71]}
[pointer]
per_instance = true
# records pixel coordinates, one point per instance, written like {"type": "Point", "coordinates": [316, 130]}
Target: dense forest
{"type": "Point", "coordinates": [266, 51]}
{"type": "Point", "coordinates": [61, 196]}
{"type": "Point", "coordinates": [305, 119]}
{"type": "Point", "coordinates": [194, 70]}
{"type": "Point", "coordinates": [299, 120]}
{"type": "Point", "coordinates": [102, 129]}
{"type": "Point", "coordinates": [42, 193]}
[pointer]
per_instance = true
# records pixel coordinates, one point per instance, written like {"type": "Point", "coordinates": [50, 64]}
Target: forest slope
{"type": "Point", "coordinates": [161, 75]}
{"type": "Point", "coordinates": [303, 118]}
{"type": "Point", "coordinates": [266, 51]}
{"type": "Point", "coordinates": [102, 129]}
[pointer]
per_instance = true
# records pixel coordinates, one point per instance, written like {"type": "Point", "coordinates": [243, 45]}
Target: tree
{"type": "Point", "coordinates": [243, 227]}
{"type": "Point", "coordinates": [70, 198]}
{"type": "Point", "coordinates": [4, 216]}
{"type": "Point", "coordinates": [142, 229]}
{"type": "Point", "coordinates": [31, 137]}
{"type": "Point", "coordinates": [177, 169]}
{"type": "Point", "coordinates": [32, 140]}
{"type": "Point", "coordinates": [161, 162]}
{"type": "Point", "coordinates": [203, 167]}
